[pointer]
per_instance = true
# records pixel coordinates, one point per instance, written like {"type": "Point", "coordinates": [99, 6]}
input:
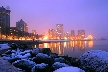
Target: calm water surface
{"type": "Point", "coordinates": [76, 48]}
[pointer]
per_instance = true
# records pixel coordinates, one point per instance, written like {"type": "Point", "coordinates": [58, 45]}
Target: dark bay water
{"type": "Point", "coordinates": [76, 48]}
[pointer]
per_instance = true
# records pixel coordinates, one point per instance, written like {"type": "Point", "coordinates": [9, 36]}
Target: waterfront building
{"type": "Point", "coordinates": [34, 32]}
{"type": "Point", "coordinates": [66, 35]}
{"type": "Point", "coordinates": [81, 34]}
{"type": "Point", "coordinates": [52, 34]}
{"type": "Point", "coordinates": [13, 33]}
{"type": "Point", "coordinates": [72, 35]}
{"type": "Point", "coordinates": [59, 31]}
{"type": "Point", "coordinates": [22, 27]}
{"type": "Point", "coordinates": [4, 21]}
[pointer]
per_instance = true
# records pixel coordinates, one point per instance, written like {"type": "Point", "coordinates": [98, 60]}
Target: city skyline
{"type": "Point", "coordinates": [75, 15]}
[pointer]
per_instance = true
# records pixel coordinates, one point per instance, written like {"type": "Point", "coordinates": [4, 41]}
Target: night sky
{"type": "Point", "coordinates": [90, 15]}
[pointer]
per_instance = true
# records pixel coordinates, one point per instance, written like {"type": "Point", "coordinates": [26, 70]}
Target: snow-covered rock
{"type": "Point", "coordinates": [95, 60]}
{"type": "Point", "coordinates": [40, 68]}
{"type": "Point", "coordinates": [34, 52]}
{"type": "Point", "coordinates": [42, 58]}
{"type": "Point", "coordinates": [58, 65]}
{"type": "Point", "coordinates": [46, 51]}
{"type": "Point", "coordinates": [6, 57]}
{"type": "Point", "coordinates": [27, 51]}
{"type": "Point", "coordinates": [8, 52]}
{"type": "Point", "coordinates": [13, 51]}
{"type": "Point", "coordinates": [11, 60]}
{"type": "Point", "coordinates": [69, 69]}
{"type": "Point", "coordinates": [41, 55]}
{"type": "Point", "coordinates": [24, 56]}
{"type": "Point", "coordinates": [60, 59]}
{"type": "Point", "coordinates": [24, 64]}
{"type": "Point", "coordinates": [53, 55]}
{"type": "Point", "coordinates": [4, 46]}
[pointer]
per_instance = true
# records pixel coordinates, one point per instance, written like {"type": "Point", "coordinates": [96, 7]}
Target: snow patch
{"type": "Point", "coordinates": [69, 69]}
{"type": "Point", "coordinates": [41, 66]}
{"type": "Point", "coordinates": [41, 55]}
{"type": "Point", "coordinates": [4, 46]}
{"type": "Point", "coordinates": [58, 65]}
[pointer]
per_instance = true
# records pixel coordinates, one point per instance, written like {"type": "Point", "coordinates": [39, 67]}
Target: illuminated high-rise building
{"type": "Point", "coordinates": [4, 21]}
{"type": "Point", "coordinates": [72, 33]}
{"type": "Point", "coordinates": [22, 26]}
{"type": "Point", "coordinates": [34, 32]}
{"type": "Point", "coordinates": [81, 33]}
{"type": "Point", "coordinates": [51, 34]}
{"type": "Point", "coordinates": [59, 30]}
{"type": "Point", "coordinates": [66, 35]}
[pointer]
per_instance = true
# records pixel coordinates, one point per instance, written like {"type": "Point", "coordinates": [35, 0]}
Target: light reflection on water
{"type": "Point", "coordinates": [73, 48]}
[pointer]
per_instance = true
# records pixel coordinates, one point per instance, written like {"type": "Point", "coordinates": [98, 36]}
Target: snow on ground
{"type": "Point", "coordinates": [4, 46]}
{"type": "Point", "coordinates": [69, 69]}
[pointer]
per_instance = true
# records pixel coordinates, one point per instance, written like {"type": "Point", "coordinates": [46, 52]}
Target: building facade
{"type": "Point", "coordinates": [81, 34]}
{"type": "Point", "coordinates": [4, 22]}
{"type": "Point", "coordinates": [34, 32]}
{"type": "Point", "coordinates": [22, 27]}
{"type": "Point", "coordinates": [60, 31]}
{"type": "Point", "coordinates": [66, 35]}
{"type": "Point", "coordinates": [52, 34]}
{"type": "Point", "coordinates": [72, 35]}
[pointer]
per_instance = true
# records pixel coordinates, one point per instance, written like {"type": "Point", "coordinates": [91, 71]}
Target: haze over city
{"type": "Point", "coordinates": [90, 15]}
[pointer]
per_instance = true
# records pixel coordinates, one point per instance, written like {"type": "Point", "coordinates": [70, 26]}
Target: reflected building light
{"type": "Point", "coordinates": [73, 44]}
{"type": "Point", "coordinates": [59, 51]}
{"type": "Point", "coordinates": [90, 44]}
{"type": "Point", "coordinates": [34, 46]}
{"type": "Point", "coordinates": [46, 45]}
{"type": "Point", "coordinates": [85, 43]}
{"type": "Point", "coordinates": [55, 45]}
{"type": "Point", "coordinates": [76, 42]}
{"type": "Point", "coordinates": [80, 44]}
{"type": "Point", "coordinates": [64, 44]}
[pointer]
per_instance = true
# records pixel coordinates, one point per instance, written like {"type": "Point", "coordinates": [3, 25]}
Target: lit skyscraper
{"type": "Point", "coordinates": [59, 30]}
{"type": "Point", "coordinates": [34, 32]}
{"type": "Point", "coordinates": [52, 34]}
{"type": "Point", "coordinates": [81, 33]}
{"type": "Point", "coordinates": [72, 33]}
{"type": "Point", "coordinates": [66, 35]}
{"type": "Point", "coordinates": [22, 26]}
{"type": "Point", "coordinates": [4, 21]}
